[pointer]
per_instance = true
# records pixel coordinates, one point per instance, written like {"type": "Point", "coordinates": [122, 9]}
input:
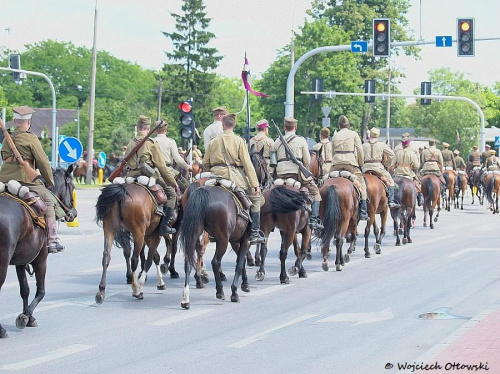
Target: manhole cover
{"type": "Point", "coordinates": [440, 313]}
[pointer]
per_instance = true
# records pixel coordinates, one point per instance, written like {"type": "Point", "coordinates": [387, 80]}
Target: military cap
{"type": "Point", "coordinates": [143, 120]}
{"type": "Point", "coordinates": [161, 124]}
{"type": "Point", "coordinates": [405, 136]}
{"type": "Point", "coordinates": [23, 112]}
{"type": "Point", "coordinates": [289, 121]}
{"type": "Point", "coordinates": [445, 145]}
{"type": "Point", "coordinates": [493, 152]}
{"type": "Point", "coordinates": [487, 146]}
{"type": "Point", "coordinates": [474, 147]}
{"type": "Point", "coordinates": [374, 132]}
{"type": "Point", "coordinates": [325, 132]}
{"type": "Point", "coordinates": [456, 152]}
{"type": "Point", "coordinates": [343, 120]}
{"type": "Point", "coordinates": [262, 124]}
{"type": "Point", "coordinates": [219, 110]}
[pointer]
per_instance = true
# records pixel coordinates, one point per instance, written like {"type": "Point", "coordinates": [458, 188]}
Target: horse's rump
{"type": "Point", "coordinates": [285, 199]}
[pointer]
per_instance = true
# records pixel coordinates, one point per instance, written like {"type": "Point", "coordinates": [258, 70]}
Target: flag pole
{"type": "Point", "coordinates": [247, 132]}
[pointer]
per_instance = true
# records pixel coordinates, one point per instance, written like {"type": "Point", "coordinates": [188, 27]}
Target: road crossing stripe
{"type": "Point", "coordinates": [463, 251]}
{"type": "Point", "coordinates": [181, 317]}
{"type": "Point", "coordinates": [99, 270]}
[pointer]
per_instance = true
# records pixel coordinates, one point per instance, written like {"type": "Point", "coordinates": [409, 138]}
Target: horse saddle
{"type": "Point", "coordinates": [384, 180]}
{"type": "Point", "coordinates": [35, 206]}
{"type": "Point", "coordinates": [241, 199]}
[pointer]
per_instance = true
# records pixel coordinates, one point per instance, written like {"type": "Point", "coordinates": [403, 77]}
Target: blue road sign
{"type": "Point", "coordinates": [359, 46]}
{"type": "Point", "coordinates": [70, 149]}
{"type": "Point", "coordinates": [443, 41]}
{"type": "Point", "coordinates": [101, 159]}
{"type": "Point", "coordinates": [497, 141]}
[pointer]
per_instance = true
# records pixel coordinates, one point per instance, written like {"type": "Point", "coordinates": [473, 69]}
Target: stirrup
{"type": "Point", "coordinates": [363, 216]}
{"type": "Point", "coordinates": [166, 230]}
{"type": "Point", "coordinates": [316, 223]}
{"type": "Point", "coordinates": [256, 237]}
{"type": "Point", "coordinates": [52, 247]}
{"type": "Point", "coordinates": [393, 204]}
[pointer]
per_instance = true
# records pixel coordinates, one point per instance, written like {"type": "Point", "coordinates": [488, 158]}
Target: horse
{"type": "Point", "coordinates": [377, 204]}
{"type": "Point", "coordinates": [431, 189]}
{"type": "Point", "coordinates": [213, 209]}
{"type": "Point", "coordinates": [24, 243]}
{"type": "Point", "coordinates": [316, 166]}
{"type": "Point", "coordinates": [449, 177]}
{"type": "Point", "coordinates": [475, 185]}
{"type": "Point", "coordinates": [492, 190]}
{"type": "Point", "coordinates": [406, 194]}
{"type": "Point", "coordinates": [462, 188]}
{"type": "Point", "coordinates": [126, 213]}
{"type": "Point", "coordinates": [284, 209]}
{"type": "Point", "coordinates": [80, 171]}
{"type": "Point", "coordinates": [339, 213]}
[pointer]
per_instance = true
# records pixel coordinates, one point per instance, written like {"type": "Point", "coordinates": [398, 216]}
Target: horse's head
{"type": "Point", "coordinates": [315, 165]}
{"type": "Point", "coordinates": [260, 166]}
{"type": "Point", "coordinates": [63, 191]}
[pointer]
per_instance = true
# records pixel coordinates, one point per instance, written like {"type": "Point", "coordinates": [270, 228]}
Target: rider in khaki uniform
{"type": "Point", "coordinates": [448, 158]}
{"type": "Point", "coordinates": [485, 155]}
{"type": "Point", "coordinates": [431, 160]}
{"type": "Point", "coordinates": [170, 153]}
{"type": "Point", "coordinates": [492, 163]}
{"type": "Point", "coordinates": [150, 154]}
{"type": "Point", "coordinates": [377, 154]}
{"type": "Point", "coordinates": [197, 155]}
{"type": "Point", "coordinates": [31, 150]}
{"type": "Point", "coordinates": [474, 159]}
{"type": "Point", "coordinates": [262, 140]}
{"type": "Point", "coordinates": [286, 168]}
{"type": "Point", "coordinates": [414, 148]}
{"type": "Point", "coordinates": [406, 164]}
{"type": "Point", "coordinates": [227, 156]}
{"type": "Point", "coordinates": [324, 149]}
{"type": "Point", "coordinates": [459, 161]}
{"type": "Point", "coordinates": [347, 154]}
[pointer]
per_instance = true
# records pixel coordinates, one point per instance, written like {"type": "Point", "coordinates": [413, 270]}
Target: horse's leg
{"type": "Point", "coordinates": [431, 212]}
{"type": "Point", "coordinates": [3, 276]}
{"type": "Point", "coordinates": [339, 261]}
{"type": "Point", "coordinates": [171, 269]}
{"type": "Point", "coordinates": [250, 260]}
{"type": "Point", "coordinates": [380, 234]}
{"type": "Point", "coordinates": [110, 229]}
{"type": "Point", "coordinates": [134, 263]}
{"type": "Point", "coordinates": [396, 230]}
{"type": "Point", "coordinates": [220, 249]}
{"type": "Point", "coordinates": [127, 251]}
{"type": "Point", "coordinates": [369, 223]}
{"type": "Point", "coordinates": [24, 289]}
{"type": "Point", "coordinates": [286, 241]}
{"type": "Point", "coordinates": [306, 242]}
{"type": "Point", "coordinates": [297, 251]}
{"type": "Point", "coordinates": [159, 275]}
{"type": "Point", "coordinates": [185, 303]}
{"type": "Point", "coordinates": [407, 230]}
{"type": "Point", "coordinates": [152, 243]}
{"type": "Point", "coordinates": [241, 250]}
{"type": "Point", "coordinates": [168, 253]}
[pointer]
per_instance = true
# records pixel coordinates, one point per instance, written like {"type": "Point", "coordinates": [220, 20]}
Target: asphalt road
{"type": "Point", "coordinates": [377, 312]}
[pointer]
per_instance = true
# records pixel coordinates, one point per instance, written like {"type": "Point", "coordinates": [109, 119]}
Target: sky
{"type": "Point", "coordinates": [132, 30]}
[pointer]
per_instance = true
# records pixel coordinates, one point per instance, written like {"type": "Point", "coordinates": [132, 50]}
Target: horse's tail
{"type": "Point", "coordinates": [430, 191]}
{"type": "Point", "coordinates": [123, 239]}
{"type": "Point", "coordinates": [111, 194]}
{"type": "Point", "coordinates": [333, 216]}
{"type": "Point", "coordinates": [489, 190]}
{"type": "Point", "coordinates": [286, 200]}
{"type": "Point", "coordinates": [460, 181]}
{"type": "Point", "coordinates": [192, 222]}
{"type": "Point", "coordinates": [446, 177]}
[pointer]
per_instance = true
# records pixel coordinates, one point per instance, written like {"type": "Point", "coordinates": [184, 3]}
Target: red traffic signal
{"type": "Point", "coordinates": [187, 120]}
{"type": "Point", "coordinates": [185, 107]}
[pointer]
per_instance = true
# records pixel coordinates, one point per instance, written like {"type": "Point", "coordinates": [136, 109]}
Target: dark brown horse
{"type": "Point", "coordinates": [23, 243]}
{"type": "Point", "coordinates": [492, 190]}
{"type": "Point", "coordinates": [476, 185]}
{"type": "Point", "coordinates": [462, 182]}
{"type": "Point", "coordinates": [377, 204]}
{"type": "Point", "coordinates": [449, 177]}
{"type": "Point", "coordinates": [285, 209]}
{"type": "Point", "coordinates": [339, 213]}
{"type": "Point", "coordinates": [316, 167]}
{"type": "Point", "coordinates": [406, 194]}
{"type": "Point", "coordinates": [431, 189]}
{"type": "Point", "coordinates": [127, 214]}
{"type": "Point", "coordinates": [214, 210]}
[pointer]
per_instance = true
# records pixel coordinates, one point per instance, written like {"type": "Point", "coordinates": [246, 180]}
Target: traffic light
{"type": "Point", "coordinates": [425, 89]}
{"type": "Point", "coordinates": [317, 86]}
{"type": "Point", "coordinates": [381, 37]}
{"type": "Point", "coordinates": [187, 119]}
{"type": "Point", "coordinates": [465, 36]}
{"type": "Point", "coordinates": [369, 88]}
{"type": "Point", "coordinates": [15, 63]}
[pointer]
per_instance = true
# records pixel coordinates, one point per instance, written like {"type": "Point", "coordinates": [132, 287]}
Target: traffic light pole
{"type": "Point", "coordinates": [54, 112]}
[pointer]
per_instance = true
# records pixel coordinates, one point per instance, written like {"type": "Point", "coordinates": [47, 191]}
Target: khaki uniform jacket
{"type": "Point", "coordinates": [474, 158]}
{"type": "Point", "coordinates": [197, 156]}
{"type": "Point", "coordinates": [460, 163]}
{"type": "Point", "coordinates": [347, 149]}
{"type": "Point", "coordinates": [492, 163]}
{"type": "Point", "coordinates": [227, 156]}
{"type": "Point", "coordinates": [324, 149]}
{"type": "Point", "coordinates": [261, 140]}
{"type": "Point", "coordinates": [170, 152]}
{"type": "Point", "coordinates": [149, 153]}
{"type": "Point", "coordinates": [405, 163]}
{"type": "Point", "coordinates": [448, 159]}
{"type": "Point", "coordinates": [484, 158]}
{"type": "Point", "coordinates": [31, 150]}
{"type": "Point", "coordinates": [377, 154]}
{"type": "Point", "coordinates": [412, 146]}
{"type": "Point", "coordinates": [212, 130]}
{"type": "Point", "coordinates": [298, 146]}
{"type": "Point", "coordinates": [432, 160]}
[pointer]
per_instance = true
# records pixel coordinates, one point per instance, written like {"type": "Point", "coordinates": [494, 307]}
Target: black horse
{"type": "Point", "coordinates": [25, 243]}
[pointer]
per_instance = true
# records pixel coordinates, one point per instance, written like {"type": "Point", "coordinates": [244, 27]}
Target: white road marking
{"type": "Point", "coordinates": [59, 353]}
{"type": "Point", "coordinates": [466, 250]}
{"type": "Point", "coordinates": [265, 334]}
{"type": "Point", "coordinates": [360, 318]}
{"type": "Point", "coordinates": [270, 289]}
{"type": "Point", "coordinates": [11, 284]}
{"type": "Point", "coordinates": [181, 317]}
{"type": "Point", "coordinates": [99, 270]}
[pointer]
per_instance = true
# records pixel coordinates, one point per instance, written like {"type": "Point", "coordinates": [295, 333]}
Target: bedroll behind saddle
{"type": "Point", "coordinates": [35, 206]}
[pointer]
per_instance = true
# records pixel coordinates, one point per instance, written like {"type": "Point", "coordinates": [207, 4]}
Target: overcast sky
{"type": "Point", "coordinates": [132, 30]}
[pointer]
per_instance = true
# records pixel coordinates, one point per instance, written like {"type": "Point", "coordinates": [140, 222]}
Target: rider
{"type": "Point", "coordinates": [376, 155]}
{"type": "Point", "coordinates": [170, 153]}
{"type": "Point", "coordinates": [215, 128]}
{"type": "Point", "coordinates": [431, 161]}
{"type": "Point", "coordinates": [406, 163]}
{"type": "Point", "coordinates": [197, 155]}
{"type": "Point", "coordinates": [324, 149]}
{"type": "Point", "coordinates": [485, 155]}
{"type": "Point", "coordinates": [31, 150]}
{"type": "Point", "coordinates": [262, 140]}
{"type": "Point", "coordinates": [459, 161]}
{"type": "Point", "coordinates": [347, 153]}
{"type": "Point", "coordinates": [286, 168]}
{"type": "Point", "coordinates": [150, 154]}
{"type": "Point", "coordinates": [227, 156]}
{"type": "Point", "coordinates": [448, 159]}
{"type": "Point", "coordinates": [492, 163]}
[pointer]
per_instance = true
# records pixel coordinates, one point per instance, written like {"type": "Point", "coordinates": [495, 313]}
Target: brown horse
{"type": "Point", "coordinates": [462, 183]}
{"type": "Point", "coordinates": [377, 204]}
{"type": "Point", "coordinates": [406, 194]}
{"type": "Point", "coordinates": [127, 213]}
{"type": "Point", "coordinates": [24, 243]}
{"type": "Point", "coordinates": [285, 209]}
{"type": "Point", "coordinates": [339, 213]}
{"type": "Point", "coordinates": [449, 177]}
{"type": "Point", "coordinates": [431, 189]}
{"type": "Point", "coordinates": [81, 171]}
{"type": "Point", "coordinates": [492, 190]}
{"type": "Point", "coordinates": [316, 167]}
{"type": "Point", "coordinates": [476, 185]}
{"type": "Point", "coordinates": [214, 210]}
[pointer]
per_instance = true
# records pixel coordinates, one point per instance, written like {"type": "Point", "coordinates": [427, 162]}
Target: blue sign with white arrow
{"type": "Point", "coordinates": [443, 41]}
{"type": "Point", "coordinates": [497, 141]}
{"type": "Point", "coordinates": [359, 46]}
{"type": "Point", "coordinates": [70, 149]}
{"type": "Point", "coordinates": [101, 159]}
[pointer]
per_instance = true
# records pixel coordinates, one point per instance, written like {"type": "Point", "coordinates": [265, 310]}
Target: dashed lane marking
{"type": "Point", "coordinates": [467, 250]}
{"type": "Point", "coordinates": [181, 317]}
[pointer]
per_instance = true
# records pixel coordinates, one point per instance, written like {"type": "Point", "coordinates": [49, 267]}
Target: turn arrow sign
{"type": "Point", "coordinates": [360, 318]}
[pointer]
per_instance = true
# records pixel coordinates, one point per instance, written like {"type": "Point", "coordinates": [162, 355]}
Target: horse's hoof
{"type": "Point", "coordinates": [338, 267]}
{"type": "Point", "coordinates": [235, 298]}
{"type": "Point", "coordinates": [410, 241]}
{"type": "Point", "coordinates": [3, 333]}
{"type": "Point", "coordinates": [163, 268]}
{"type": "Point", "coordinates": [257, 262]}
{"type": "Point", "coordinates": [99, 297]}
{"type": "Point", "coordinates": [223, 277]}
{"type": "Point", "coordinates": [368, 255]}
{"type": "Point", "coordinates": [347, 258]}
{"type": "Point", "coordinates": [139, 296]}
{"type": "Point", "coordinates": [22, 321]}
{"type": "Point", "coordinates": [161, 287]}
{"type": "Point", "coordinates": [32, 322]}
{"type": "Point", "coordinates": [285, 280]}
{"type": "Point", "coordinates": [435, 219]}
{"type": "Point", "coordinates": [324, 265]}
{"type": "Point", "coordinates": [432, 227]}
{"type": "Point", "coordinates": [398, 244]}
{"type": "Point", "coordinates": [425, 224]}
{"type": "Point", "coordinates": [250, 262]}
{"type": "Point", "coordinates": [174, 275]}
{"type": "Point", "coordinates": [309, 256]}
{"type": "Point", "coordinates": [405, 240]}
{"type": "Point", "coordinates": [259, 276]}
{"type": "Point", "coordinates": [245, 287]}
{"type": "Point", "coordinates": [394, 233]}
{"type": "Point", "coordinates": [185, 305]}
{"type": "Point", "coordinates": [220, 295]}
{"type": "Point", "coordinates": [377, 249]}
{"type": "Point", "coordinates": [199, 284]}
{"type": "Point", "coordinates": [129, 280]}
{"type": "Point", "coordinates": [292, 271]}
{"type": "Point", "coordinates": [205, 279]}
{"type": "Point", "coordinates": [400, 231]}
{"type": "Point", "coordinates": [302, 274]}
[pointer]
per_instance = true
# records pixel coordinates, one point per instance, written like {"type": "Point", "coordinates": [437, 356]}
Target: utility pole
{"type": "Point", "coordinates": [160, 89]}
{"type": "Point", "coordinates": [388, 110]}
{"type": "Point", "coordinates": [90, 144]}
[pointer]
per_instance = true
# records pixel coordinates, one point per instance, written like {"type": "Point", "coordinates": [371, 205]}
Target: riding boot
{"type": "Point", "coordinates": [363, 214]}
{"type": "Point", "coordinates": [314, 220]}
{"type": "Point", "coordinates": [392, 203]}
{"type": "Point", "coordinates": [53, 244]}
{"type": "Point", "coordinates": [420, 199]}
{"type": "Point", "coordinates": [255, 236]}
{"type": "Point", "coordinates": [163, 227]}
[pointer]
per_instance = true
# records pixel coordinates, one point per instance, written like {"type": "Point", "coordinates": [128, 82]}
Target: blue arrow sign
{"type": "Point", "coordinates": [101, 159]}
{"type": "Point", "coordinates": [70, 149]}
{"type": "Point", "coordinates": [443, 41]}
{"type": "Point", "coordinates": [359, 46]}
{"type": "Point", "coordinates": [497, 141]}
